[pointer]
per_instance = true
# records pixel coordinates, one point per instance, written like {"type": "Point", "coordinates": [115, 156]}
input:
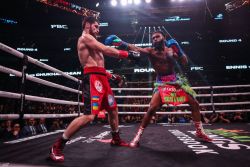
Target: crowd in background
{"type": "Point", "coordinates": [14, 129]}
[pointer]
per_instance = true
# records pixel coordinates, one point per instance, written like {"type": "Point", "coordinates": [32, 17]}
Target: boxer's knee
{"type": "Point", "coordinates": [85, 119]}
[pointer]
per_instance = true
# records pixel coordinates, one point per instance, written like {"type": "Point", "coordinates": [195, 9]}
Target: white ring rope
{"type": "Point", "coordinates": [201, 87]}
{"type": "Point", "coordinates": [199, 95]}
{"type": "Point", "coordinates": [26, 116]}
{"type": "Point", "coordinates": [38, 80]}
{"type": "Point", "coordinates": [36, 62]}
{"type": "Point", "coordinates": [57, 101]}
{"type": "Point", "coordinates": [38, 99]}
{"type": "Point", "coordinates": [186, 105]}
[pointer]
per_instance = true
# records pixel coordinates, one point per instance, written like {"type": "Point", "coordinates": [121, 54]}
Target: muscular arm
{"type": "Point", "coordinates": [92, 43]}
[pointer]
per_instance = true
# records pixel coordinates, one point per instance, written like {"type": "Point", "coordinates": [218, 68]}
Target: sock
{"type": "Point", "coordinates": [116, 131]}
{"type": "Point", "coordinates": [199, 127]}
{"type": "Point", "coordinates": [138, 135]}
{"type": "Point", "coordinates": [64, 137]}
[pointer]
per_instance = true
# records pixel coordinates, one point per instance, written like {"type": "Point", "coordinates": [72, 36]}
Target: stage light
{"type": "Point", "coordinates": [130, 1]}
{"type": "Point", "coordinates": [147, 1]}
{"type": "Point", "coordinates": [137, 2]}
{"type": "Point", "coordinates": [97, 4]}
{"type": "Point", "coordinates": [123, 2]}
{"type": "Point", "coordinates": [113, 2]}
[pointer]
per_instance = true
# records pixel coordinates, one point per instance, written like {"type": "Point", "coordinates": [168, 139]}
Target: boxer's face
{"type": "Point", "coordinates": [157, 37]}
{"type": "Point", "coordinates": [94, 29]}
{"type": "Point", "coordinates": [158, 40]}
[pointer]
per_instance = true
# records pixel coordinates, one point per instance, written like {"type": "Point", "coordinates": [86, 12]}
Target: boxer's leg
{"type": "Point", "coordinates": [196, 115]}
{"type": "Point", "coordinates": [155, 104]}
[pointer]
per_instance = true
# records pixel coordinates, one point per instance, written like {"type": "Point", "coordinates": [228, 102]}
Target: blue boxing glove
{"type": "Point", "coordinates": [172, 43]}
{"type": "Point", "coordinates": [115, 41]}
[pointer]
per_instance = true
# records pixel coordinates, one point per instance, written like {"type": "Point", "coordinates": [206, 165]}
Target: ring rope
{"type": "Point", "coordinates": [38, 80]}
{"type": "Point", "coordinates": [37, 98]}
{"type": "Point", "coordinates": [26, 116]}
{"type": "Point", "coordinates": [201, 87]}
{"type": "Point", "coordinates": [57, 101]}
{"type": "Point", "coordinates": [199, 95]}
{"type": "Point", "coordinates": [185, 105]}
{"type": "Point", "coordinates": [36, 62]}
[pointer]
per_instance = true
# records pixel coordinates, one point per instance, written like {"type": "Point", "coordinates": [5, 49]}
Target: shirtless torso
{"type": "Point", "coordinates": [88, 57]}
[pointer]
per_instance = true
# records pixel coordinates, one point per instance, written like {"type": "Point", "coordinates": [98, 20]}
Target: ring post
{"type": "Point", "coordinates": [212, 98]}
{"type": "Point", "coordinates": [78, 98]}
{"type": "Point", "coordinates": [22, 89]}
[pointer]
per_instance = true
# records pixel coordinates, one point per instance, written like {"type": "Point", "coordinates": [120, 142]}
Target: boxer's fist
{"type": "Point", "coordinates": [132, 55]}
{"type": "Point", "coordinates": [172, 43]}
{"type": "Point", "coordinates": [114, 40]}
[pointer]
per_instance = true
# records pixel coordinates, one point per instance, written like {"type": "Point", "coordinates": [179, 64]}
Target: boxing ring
{"type": "Point", "coordinates": [163, 144]}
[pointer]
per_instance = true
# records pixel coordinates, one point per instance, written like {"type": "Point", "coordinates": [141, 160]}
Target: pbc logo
{"type": "Point", "coordinates": [58, 26]}
{"type": "Point", "coordinates": [196, 68]}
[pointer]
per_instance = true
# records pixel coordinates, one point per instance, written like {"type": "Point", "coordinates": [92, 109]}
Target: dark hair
{"type": "Point", "coordinates": [89, 19]}
{"type": "Point", "coordinates": [160, 32]}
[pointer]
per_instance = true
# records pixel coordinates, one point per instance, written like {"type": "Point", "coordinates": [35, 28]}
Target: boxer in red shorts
{"type": "Point", "coordinates": [97, 94]}
{"type": "Point", "coordinates": [170, 88]}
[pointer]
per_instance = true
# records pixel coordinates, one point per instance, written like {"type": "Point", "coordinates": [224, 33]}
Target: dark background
{"type": "Point", "coordinates": [33, 30]}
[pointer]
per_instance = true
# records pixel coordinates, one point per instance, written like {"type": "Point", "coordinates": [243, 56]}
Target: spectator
{"type": "Point", "coordinates": [223, 118]}
{"type": "Point", "coordinates": [214, 117]}
{"type": "Point", "coordinates": [238, 117]}
{"type": "Point", "coordinates": [41, 127]}
{"type": "Point", "coordinates": [7, 132]}
{"type": "Point", "coordinates": [55, 125]}
{"type": "Point", "coordinates": [29, 129]}
{"type": "Point", "coordinates": [16, 132]}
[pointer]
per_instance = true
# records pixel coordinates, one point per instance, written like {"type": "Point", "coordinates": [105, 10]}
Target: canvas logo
{"type": "Point", "coordinates": [98, 137]}
{"type": "Point", "coordinates": [236, 134]}
{"type": "Point", "coordinates": [191, 143]}
{"type": "Point", "coordinates": [231, 142]}
{"type": "Point", "coordinates": [75, 140]}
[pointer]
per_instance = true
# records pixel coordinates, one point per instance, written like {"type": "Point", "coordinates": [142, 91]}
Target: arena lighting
{"type": "Point", "coordinates": [130, 1]}
{"type": "Point", "coordinates": [123, 2]}
{"type": "Point", "coordinates": [113, 2]}
{"type": "Point", "coordinates": [148, 1]}
{"type": "Point", "coordinates": [70, 7]}
{"type": "Point", "coordinates": [137, 2]}
{"type": "Point", "coordinates": [97, 4]}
